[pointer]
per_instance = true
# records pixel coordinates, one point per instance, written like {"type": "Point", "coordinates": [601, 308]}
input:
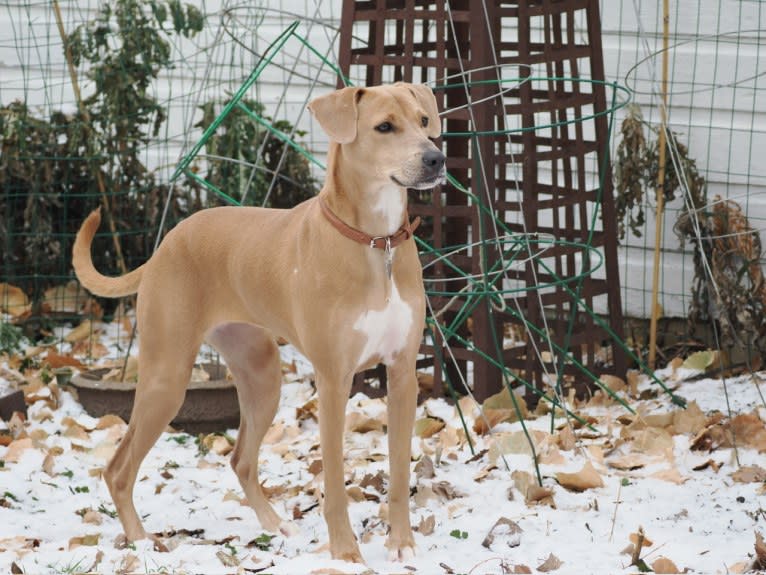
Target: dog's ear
{"type": "Point", "coordinates": [425, 97]}
{"type": "Point", "coordinates": [336, 112]}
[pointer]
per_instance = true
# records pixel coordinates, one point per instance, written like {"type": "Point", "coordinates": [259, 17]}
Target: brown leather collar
{"type": "Point", "coordinates": [377, 242]}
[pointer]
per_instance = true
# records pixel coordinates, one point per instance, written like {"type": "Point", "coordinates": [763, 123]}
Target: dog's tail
{"type": "Point", "coordinates": [89, 277]}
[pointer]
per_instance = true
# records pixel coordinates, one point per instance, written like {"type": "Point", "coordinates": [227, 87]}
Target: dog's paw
{"type": "Point", "coordinates": [288, 529]}
{"type": "Point", "coordinates": [401, 554]}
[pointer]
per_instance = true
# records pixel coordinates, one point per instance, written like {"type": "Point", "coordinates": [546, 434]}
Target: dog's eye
{"type": "Point", "coordinates": [384, 127]}
{"type": "Point", "coordinates": [424, 121]}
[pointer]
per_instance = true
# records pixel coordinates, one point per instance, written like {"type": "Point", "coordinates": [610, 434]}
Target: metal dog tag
{"type": "Point", "coordinates": [389, 257]}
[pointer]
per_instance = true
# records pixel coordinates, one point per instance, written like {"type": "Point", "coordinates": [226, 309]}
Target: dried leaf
{"type": "Point", "coordinates": [13, 300]}
{"type": "Point", "coordinates": [217, 444]}
{"type": "Point", "coordinates": [361, 423]}
{"type": "Point", "coordinates": [760, 552]}
{"type": "Point", "coordinates": [428, 426]}
{"type": "Point", "coordinates": [109, 420]}
{"type": "Point", "coordinates": [489, 418]}
{"type": "Point", "coordinates": [92, 517]}
{"type": "Point", "coordinates": [502, 401]}
{"type": "Point", "coordinates": [664, 565]}
{"type": "Point", "coordinates": [550, 564]}
{"type": "Point", "coordinates": [532, 492]}
{"type": "Point", "coordinates": [89, 540]}
{"type": "Point", "coordinates": [700, 360]}
{"type": "Point", "coordinates": [613, 382]}
{"type": "Point", "coordinates": [56, 361]}
{"type": "Point", "coordinates": [67, 298]}
{"type": "Point", "coordinates": [505, 528]}
{"type": "Point", "coordinates": [424, 468]}
{"type": "Point", "coordinates": [16, 449]}
{"type": "Point", "coordinates": [426, 525]}
{"type": "Point", "coordinates": [672, 475]}
{"type": "Point", "coordinates": [586, 478]}
{"type": "Point", "coordinates": [48, 464]}
{"type": "Point", "coordinates": [227, 559]}
{"type": "Point", "coordinates": [446, 490]}
{"type": "Point", "coordinates": [81, 332]}
{"type": "Point", "coordinates": [689, 420]}
{"type": "Point", "coordinates": [749, 430]}
{"type": "Point", "coordinates": [377, 481]}
{"type": "Point", "coordinates": [640, 536]}
{"type": "Point", "coordinates": [749, 474]}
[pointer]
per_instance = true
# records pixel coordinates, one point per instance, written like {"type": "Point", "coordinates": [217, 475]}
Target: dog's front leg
{"type": "Point", "coordinates": [402, 402]}
{"type": "Point", "coordinates": [333, 396]}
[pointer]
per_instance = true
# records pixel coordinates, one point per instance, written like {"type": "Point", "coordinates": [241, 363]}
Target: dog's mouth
{"type": "Point", "coordinates": [424, 184]}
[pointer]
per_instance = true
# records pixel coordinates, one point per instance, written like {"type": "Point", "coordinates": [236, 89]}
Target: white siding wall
{"type": "Point", "coordinates": [724, 127]}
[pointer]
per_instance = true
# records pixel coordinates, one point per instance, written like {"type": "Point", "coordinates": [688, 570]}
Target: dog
{"type": "Point", "coordinates": [338, 276]}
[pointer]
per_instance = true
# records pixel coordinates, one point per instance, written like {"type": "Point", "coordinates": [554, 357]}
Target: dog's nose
{"type": "Point", "coordinates": [433, 159]}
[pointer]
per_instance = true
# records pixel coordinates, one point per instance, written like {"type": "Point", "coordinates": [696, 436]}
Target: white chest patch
{"type": "Point", "coordinates": [386, 329]}
{"type": "Point", "coordinates": [390, 207]}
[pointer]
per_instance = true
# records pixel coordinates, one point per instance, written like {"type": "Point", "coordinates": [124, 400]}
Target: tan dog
{"type": "Point", "coordinates": [338, 276]}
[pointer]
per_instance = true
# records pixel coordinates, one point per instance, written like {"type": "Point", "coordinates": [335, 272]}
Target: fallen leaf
{"type": "Point", "coordinates": [81, 332]}
{"type": "Point", "coordinates": [377, 482]}
{"type": "Point", "coordinates": [749, 474]}
{"type": "Point", "coordinates": [640, 536]}
{"type": "Point", "coordinates": [700, 360]}
{"type": "Point", "coordinates": [550, 564]}
{"type": "Point", "coordinates": [217, 444]}
{"type": "Point", "coordinates": [760, 552]}
{"type": "Point", "coordinates": [227, 559]}
{"type": "Point", "coordinates": [109, 420]}
{"type": "Point", "coordinates": [13, 300]}
{"type": "Point", "coordinates": [502, 401]}
{"type": "Point", "coordinates": [529, 488]}
{"type": "Point", "coordinates": [424, 468]}
{"type": "Point", "coordinates": [89, 540]}
{"type": "Point", "coordinates": [613, 382]}
{"type": "Point", "coordinates": [48, 464]}
{"type": "Point", "coordinates": [586, 478]}
{"type": "Point", "coordinates": [92, 517]}
{"type": "Point", "coordinates": [446, 490]}
{"type": "Point", "coordinates": [56, 361]}
{"type": "Point", "coordinates": [426, 525]}
{"type": "Point", "coordinates": [690, 420]}
{"type": "Point", "coordinates": [664, 565]}
{"type": "Point", "coordinates": [489, 418]}
{"type": "Point", "coordinates": [361, 423]}
{"type": "Point", "coordinates": [566, 439]}
{"type": "Point", "coordinates": [750, 430]}
{"type": "Point", "coordinates": [505, 528]}
{"type": "Point", "coordinates": [671, 475]}
{"type": "Point", "coordinates": [16, 449]}
{"type": "Point", "coordinates": [428, 426]}
{"type": "Point", "coordinates": [629, 462]}
{"type": "Point", "coordinates": [66, 298]}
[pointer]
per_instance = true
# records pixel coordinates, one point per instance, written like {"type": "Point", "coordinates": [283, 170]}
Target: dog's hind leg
{"type": "Point", "coordinates": [164, 373]}
{"type": "Point", "coordinates": [252, 356]}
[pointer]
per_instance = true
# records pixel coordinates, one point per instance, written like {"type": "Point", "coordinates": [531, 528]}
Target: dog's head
{"type": "Point", "coordinates": [387, 129]}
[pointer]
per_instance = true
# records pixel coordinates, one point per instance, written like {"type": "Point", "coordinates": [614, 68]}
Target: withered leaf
{"type": "Point", "coordinates": [428, 426]}
{"type": "Point", "coordinates": [550, 564]}
{"type": "Point", "coordinates": [664, 565]}
{"type": "Point", "coordinates": [586, 478]}
{"type": "Point", "coordinates": [446, 490]}
{"type": "Point", "coordinates": [426, 525]}
{"type": "Point", "coordinates": [760, 552]}
{"type": "Point", "coordinates": [89, 540]}
{"type": "Point", "coordinates": [749, 474]}
{"type": "Point", "coordinates": [424, 468]}
{"type": "Point", "coordinates": [509, 530]}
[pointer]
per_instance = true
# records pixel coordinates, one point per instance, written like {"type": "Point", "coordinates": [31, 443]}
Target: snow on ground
{"type": "Point", "coordinates": [56, 515]}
